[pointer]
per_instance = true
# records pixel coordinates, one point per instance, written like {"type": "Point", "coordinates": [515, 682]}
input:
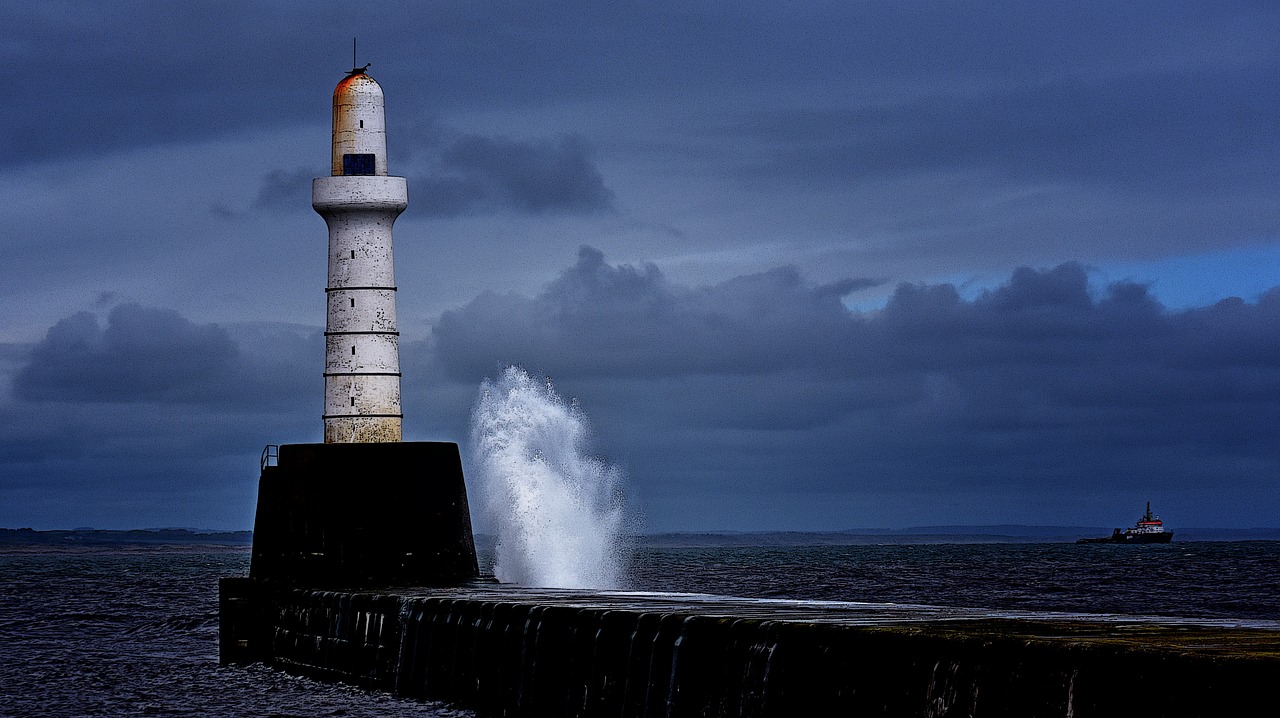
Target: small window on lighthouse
{"type": "Point", "coordinates": [353, 301]}
{"type": "Point", "coordinates": [353, 401]}
{"type": "Point", "coordinates": [353, 254]}
{"type": "Point", "coordinates": [353, 350]}
{"type": "Point", "coordinates": [362, 124]}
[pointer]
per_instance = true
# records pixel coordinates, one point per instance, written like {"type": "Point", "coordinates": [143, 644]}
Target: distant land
{"type": "Point", "coordinates": [135, 538]}
{"type": "Point", "coordinates": [916, 535]}
{"type": "Point", "coordinates": [141, 538]}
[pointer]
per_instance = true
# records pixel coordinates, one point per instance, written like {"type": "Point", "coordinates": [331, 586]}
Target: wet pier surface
{"type": "Point", "coordinates": [852, 613]}
{"type": "Point", "coordinates": [509, 651]}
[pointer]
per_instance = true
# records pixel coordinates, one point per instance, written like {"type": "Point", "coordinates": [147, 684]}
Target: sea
{"type": "Point", "coordinates": [133, 631]}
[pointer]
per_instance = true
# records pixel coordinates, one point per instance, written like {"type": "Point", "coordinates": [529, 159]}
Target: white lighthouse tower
{"type": "Point", "coordinates": [360, 202]}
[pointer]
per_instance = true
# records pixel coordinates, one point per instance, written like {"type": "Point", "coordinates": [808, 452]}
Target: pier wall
{"type": "Point", "coordinates": [526, 658]}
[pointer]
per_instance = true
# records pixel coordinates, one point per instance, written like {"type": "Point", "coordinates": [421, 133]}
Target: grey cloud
{"type": "Point", "coordinates": [206, 80]}
{"type": "Point", "coordinates": [227, 67]}
{"type": "Point", "coordinates": [285, 191]}
{"type": "Point", "coordinates": [447, 196]}
{"type": "Point", "coordinates": [845, 287]}
{"type": "Point", "coordinates": [151, 419]}
{"type": "Point", "coordinates": [12, 351]}
{"type": "Point", "coordinates": [66, 464]}
{"type": "Point", "coordinates": [146, 355]}
{"type": "Point", "coordinates": [622, 320]}
{"type": "Point", "coordinates": [763, 389]}
{"type": "Point", "coordinates": [484, 174]}
{"type": "Point", "coordinates": [1191, 131]}
{"type": "Point", "coordinates": [141, 355]}
{"type": "Point", "coordinates": [1034, 386]}
{"type": "Point", "coordinates": [601, 319]}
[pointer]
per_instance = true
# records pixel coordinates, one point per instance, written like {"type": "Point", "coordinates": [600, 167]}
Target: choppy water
{"type": "Point", "coordinates": [130, 634]}
{"type": "Point", "coordinates": [135, 633]}
{"type": "Point", "coordinates": [1189, 579]}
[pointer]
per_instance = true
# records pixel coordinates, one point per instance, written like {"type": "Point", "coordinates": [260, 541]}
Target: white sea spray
{"type": "Point", "coordinates": [557, 510]}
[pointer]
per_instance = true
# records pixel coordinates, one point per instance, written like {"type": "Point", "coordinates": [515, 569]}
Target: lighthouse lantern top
{"type": "Point", "coordinates": [359, 126]}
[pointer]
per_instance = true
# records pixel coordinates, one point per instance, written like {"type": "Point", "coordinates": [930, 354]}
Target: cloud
{"type": "Point", "coordinates": [147, 355]}
{"type": "Point", "coordinates": [485, 174]}
{"type": "Point", "coordinates": [845, 287]}
{"type": "Point", "coordinates": [855, 140]}
{"type": "Point", "coordinates": [599, 319]}
{"type": "Point", "coordinates": [762, 397]}
{"type": "Point", "coordinates": [1041, 386]}
{"type": "Point", "coordinates": [285, 191]}
{"type": "Point", "coordinates": [150, 419]}
{"type": "Point", "coordinates": [1146, 130]}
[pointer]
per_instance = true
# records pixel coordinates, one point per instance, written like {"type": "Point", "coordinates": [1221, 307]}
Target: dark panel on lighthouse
{"type": "Point", "coordinates": [359, 165]}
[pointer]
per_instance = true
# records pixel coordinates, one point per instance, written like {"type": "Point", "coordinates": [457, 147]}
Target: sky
{"type": "Point", "coordinates": [809, 266]}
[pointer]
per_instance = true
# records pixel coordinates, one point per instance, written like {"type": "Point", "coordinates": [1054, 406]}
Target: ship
{"type": "Point", "coordinates": [1149, 529]}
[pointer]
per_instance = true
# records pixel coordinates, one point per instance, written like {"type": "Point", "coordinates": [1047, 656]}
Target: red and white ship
{"type": "Point", "coordinates": [1149, 529]}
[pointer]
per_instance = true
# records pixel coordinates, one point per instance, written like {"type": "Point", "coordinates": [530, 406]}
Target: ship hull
{"type": "Point", "coordinates": [1162, 537]}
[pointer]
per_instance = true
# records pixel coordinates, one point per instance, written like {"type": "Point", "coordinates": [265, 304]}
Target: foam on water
{"type": "Point", "coordinates": [557, 510]}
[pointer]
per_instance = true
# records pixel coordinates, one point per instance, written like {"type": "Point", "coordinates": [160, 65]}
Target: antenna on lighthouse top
{"type": "Point", "coordinates": [354, 69]}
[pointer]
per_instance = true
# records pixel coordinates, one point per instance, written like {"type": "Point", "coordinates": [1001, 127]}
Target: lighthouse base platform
{"type": "Point", "coordinates": [364, 514]}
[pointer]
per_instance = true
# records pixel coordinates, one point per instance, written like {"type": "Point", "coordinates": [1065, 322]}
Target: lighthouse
{"type": "Point", "coordinates": [364, 508]}
{"type": "Point", "coordinates": [360, 202]}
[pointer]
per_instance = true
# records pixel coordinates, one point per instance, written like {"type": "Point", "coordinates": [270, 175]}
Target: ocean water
{"type": "Point", "coordinates": [134, 632]}
{"type": "Point", "coordinates": [1238, 579]}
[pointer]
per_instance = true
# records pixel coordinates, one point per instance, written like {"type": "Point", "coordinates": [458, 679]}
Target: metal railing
{"type": "Point", "coordinates": [270, 456]}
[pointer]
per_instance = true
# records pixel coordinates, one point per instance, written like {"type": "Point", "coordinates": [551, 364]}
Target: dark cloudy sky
{"type": "Point", "coordinates": [805, 266]}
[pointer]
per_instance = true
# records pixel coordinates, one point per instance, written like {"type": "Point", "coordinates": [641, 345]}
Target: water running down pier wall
{"type": "Point", "coordinates": [507, 652]}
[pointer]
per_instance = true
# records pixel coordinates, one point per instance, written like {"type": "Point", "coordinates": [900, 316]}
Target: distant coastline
{"type": "Point", "coordinates": [88, 539]}
{"type": "Point", "coordinates": [916, 535]}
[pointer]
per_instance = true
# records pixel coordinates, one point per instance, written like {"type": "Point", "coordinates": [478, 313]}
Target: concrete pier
{"type": "Point", "coordinates": [504, 651]}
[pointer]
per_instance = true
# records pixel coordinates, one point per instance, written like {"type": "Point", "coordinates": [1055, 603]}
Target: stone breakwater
{"type": "Point", "coordinates": [503, 651]}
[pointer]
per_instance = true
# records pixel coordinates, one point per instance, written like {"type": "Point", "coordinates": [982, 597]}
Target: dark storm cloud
{"type": "Point", "coordinates": [1185, 131]}
{"type": "Point", "coordinates": [845, 287]}
{"type": "Point", "coordinates": [622, 320]}
{"type": "Point", "coordinates": [146, 355]}
{"type": "Point", "coordinates": [599, 319]}
{"type": "Point", "coordinates": [1041, 385]}
{"type": "Point", "coordinates": [479, 174]}
{"type": "Point", "coordinates": [97, 78]}
{"type": "Point", "coordinates": [151, 419]}
{"type": "Point", "coordinates": [1156, 117]}
{"type": "Point", "coordinates": [762, 395]}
